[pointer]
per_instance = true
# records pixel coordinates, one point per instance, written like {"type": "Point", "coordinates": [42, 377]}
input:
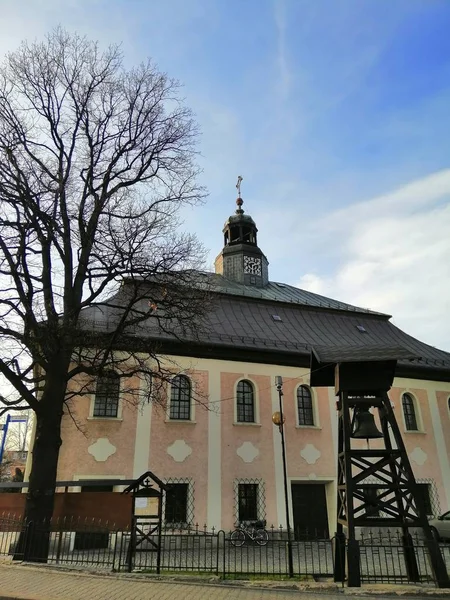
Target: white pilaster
{"type": "Point", "coordinates": [142, 441]}
{"type": "Point", "coordinates": [438, 435]}
{"type": "Point", "coordinates": [331, 488]}
{"type": "Point", "coordinates": [333, 421]}
{"type": "Point", "coordinates": [214, 507]}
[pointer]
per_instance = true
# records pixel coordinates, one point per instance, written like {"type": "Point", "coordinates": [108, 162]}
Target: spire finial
{"type": "Point", "coordinates": [238, 185]}
{"type": "Point", "coordinates": [239, 200]}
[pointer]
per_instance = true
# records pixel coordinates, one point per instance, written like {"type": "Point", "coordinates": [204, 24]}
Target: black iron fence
{"type": "Point", "coordinates": [197, 550]}
{"type": "Point", "coordinates": [383, 560]}
{"type": "Point", "coordinates": [70, 541]}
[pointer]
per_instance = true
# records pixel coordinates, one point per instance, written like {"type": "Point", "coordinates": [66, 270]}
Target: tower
{"type": "Point", "coordinates": [241, 259]}
{"type": "Point", "coordinates": [362, 379]}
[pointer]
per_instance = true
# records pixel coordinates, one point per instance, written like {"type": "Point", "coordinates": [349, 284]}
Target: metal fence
{"type": "Point", "coordinates": [197, 550]}
{"type": "Point", "coordinates": [382, 557]}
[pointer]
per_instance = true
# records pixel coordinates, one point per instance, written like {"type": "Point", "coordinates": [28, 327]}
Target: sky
{"type": "Point", "coordinates": [336, 113]}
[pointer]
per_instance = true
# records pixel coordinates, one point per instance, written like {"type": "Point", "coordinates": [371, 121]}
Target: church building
{"type": "Point", "coordinates": [223, 461]}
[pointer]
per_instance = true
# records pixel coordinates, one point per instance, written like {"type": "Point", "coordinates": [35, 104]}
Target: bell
{"type": "Point", "coordinates": [364, 426]}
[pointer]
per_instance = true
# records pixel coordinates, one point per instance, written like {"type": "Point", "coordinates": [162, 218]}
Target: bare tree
{"type": "Point", "coordinates": [95, 163]}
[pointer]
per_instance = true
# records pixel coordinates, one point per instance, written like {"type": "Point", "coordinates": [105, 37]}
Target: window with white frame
{"type": "Point", "coordinates": [409, 412]}
{"type": "Point", "coordinates": [107, 392]}
{"type": "Point", "coordinates": [245, 402]}
{"type": "Point", "coordinates": [180, 398]}
{"type": "Point", "coordinates": [305, 409]}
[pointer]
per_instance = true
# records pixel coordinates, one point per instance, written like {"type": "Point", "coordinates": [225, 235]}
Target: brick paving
{"type": "Point", "coordinates": [28, 582]}
{"type": "Point", "coordinates": [41, 583]}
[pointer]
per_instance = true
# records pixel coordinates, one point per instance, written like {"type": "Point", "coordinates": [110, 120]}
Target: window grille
{"type": "Point", "coordinates": [370, 499]}
{"type": "Point", "coordinates": [180, 398]}
{"type": "Point", "coordinates": [305, 406]}
{"type": "Point", "coordinates": [426, 488]}
{"type": "Point", "coordinates": [178, 505]}
{"type": "Point", "coordinates": [423, 490]}
{"type": "Point", "coordinates": [250, 500]}
{"type": "Point", "coordinates": [245, 402]}
{"type": "Point", "coordinates": [409, 412]}
{"type": "Point", "coordinates": [106, 403]}
{"type": "Point", "coordinates": [373, 495]}
{"type": "Point", "coordinates": [430, 496]}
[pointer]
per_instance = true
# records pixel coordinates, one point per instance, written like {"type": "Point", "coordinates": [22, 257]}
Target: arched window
{"type": "Point", "coordinates": [409, 412]}
{"type": "Point", "coordinates": [245, 402]}
{"type": "Point", "coordinates": [180, 398]}
{"type": "Point", "coordinates": [305, 406]}
{"type": "Point", "coordinates": [106, 403]}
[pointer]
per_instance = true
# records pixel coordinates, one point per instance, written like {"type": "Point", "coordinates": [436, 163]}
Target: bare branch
{"type": "Point", "coordinates": [96, 162]}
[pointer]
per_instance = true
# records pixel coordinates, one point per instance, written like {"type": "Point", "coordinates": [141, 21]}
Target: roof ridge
{"type": "Point", "coordinates": [286, 293]}
{"type": "Point", "coordinates": [326, 298]}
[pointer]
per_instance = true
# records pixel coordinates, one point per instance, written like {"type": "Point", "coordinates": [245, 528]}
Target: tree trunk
{"type": "Point", "coordinates": [34, 540]}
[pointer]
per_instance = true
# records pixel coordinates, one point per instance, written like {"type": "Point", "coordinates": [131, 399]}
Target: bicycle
{"type": "Point", "coordinates": [254, 531]}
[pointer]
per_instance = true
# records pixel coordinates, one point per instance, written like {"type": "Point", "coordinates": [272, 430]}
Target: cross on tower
{"type": "Point", "coordinates": [238, 185]}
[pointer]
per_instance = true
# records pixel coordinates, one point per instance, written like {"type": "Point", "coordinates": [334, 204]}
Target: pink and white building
{"type": "Point", "coordinates": [223, 457]}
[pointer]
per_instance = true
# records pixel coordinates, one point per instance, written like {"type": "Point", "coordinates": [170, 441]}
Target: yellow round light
{"type": "Point", "coordinates": [276, 418]}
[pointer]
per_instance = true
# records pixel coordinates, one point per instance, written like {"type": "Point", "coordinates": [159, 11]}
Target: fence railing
{"type": "Point", "coordinates": [382, 557]}
{"type": "Point", "coordinates": [198, 550]}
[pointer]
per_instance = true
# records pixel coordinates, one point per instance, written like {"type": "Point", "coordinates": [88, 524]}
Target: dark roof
{"type": "Point", "coordinates": [249, 323]}
{"type": "Point", "coordinates": [281, 324]}
{"type": "Point", "coordinates": [277, 292]}
{"type": "Point", "coordinates": [239, 217]}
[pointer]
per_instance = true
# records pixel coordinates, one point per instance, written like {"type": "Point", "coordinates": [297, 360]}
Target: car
{"type": "Point", "coordinates": [440, 527]}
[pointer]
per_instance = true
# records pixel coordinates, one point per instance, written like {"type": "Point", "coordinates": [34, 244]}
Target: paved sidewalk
{"type": "Point", "coordinates": [42, 583]}
{"type": "Point", "coordinates": [28, 582]}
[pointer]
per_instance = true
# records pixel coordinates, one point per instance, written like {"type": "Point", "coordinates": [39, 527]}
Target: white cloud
{"type": "Point", "coordinates": [393, 255]}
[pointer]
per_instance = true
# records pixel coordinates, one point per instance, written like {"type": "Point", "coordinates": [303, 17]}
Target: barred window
{"type": "Point", "coordinates": [431, 496]}
{"type": "Point", "coordinates": [245, 402]}
{"type": "Point", "coordinates": [409, 412]}
{"type": "Point", "coordinates": [423, 490]}
{"type": "Point", "coordinates": [106, 403]}
{"type": "Point", "coordinates": [371, 500]}
{"type": "Point", "coordinates": [305, 406]}
{"type": "Point", "coordinates": [248, 501]}
{"type": "Point", "coordinates": [176, 503]}
{"type": "Point", "coordinates": [180, 398]}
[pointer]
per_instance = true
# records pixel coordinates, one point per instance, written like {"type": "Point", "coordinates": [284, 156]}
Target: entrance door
{"type": "Point", "coordinates": [309, 505]}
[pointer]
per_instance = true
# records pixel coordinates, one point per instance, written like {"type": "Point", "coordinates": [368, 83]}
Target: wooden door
{"type": "Point", "coordinates": [309, 506]}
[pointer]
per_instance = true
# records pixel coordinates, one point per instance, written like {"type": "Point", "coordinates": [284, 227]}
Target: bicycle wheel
{"type": "Point", "coordinates": [237, 537]}
{"type": "Point", "coordinates": [261, 537]}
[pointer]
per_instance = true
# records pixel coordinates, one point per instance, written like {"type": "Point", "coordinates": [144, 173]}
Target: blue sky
{"type": "Point", "coordinates": [335, 112]}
